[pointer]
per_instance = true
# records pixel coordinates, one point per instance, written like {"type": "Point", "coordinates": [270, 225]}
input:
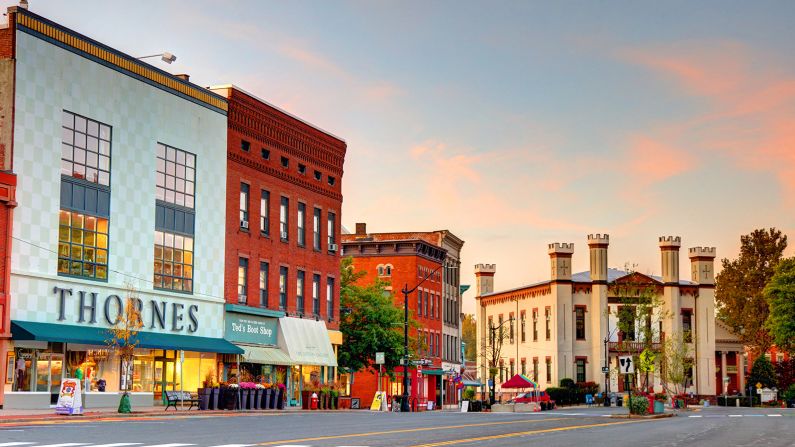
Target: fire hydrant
{"type": "Point", "coordinates": [313, 402]}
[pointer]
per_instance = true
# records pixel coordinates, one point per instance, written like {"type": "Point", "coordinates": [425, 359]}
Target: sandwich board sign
{"type": "Point", "coordinates": [69, 398]}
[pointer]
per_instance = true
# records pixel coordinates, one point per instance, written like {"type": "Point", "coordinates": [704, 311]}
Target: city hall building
{"type": "Point", "coordinates": [567, 326]}
{"type": "Point", "coordinates": [120, 185]}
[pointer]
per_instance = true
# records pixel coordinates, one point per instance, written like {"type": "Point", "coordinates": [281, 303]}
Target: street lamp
{"type": "Point", "coordinates": [492, 330]}
{"type": "Point", "coordinates": [404, 404]}
{"type": "Point", "coordinates": [165, 57]}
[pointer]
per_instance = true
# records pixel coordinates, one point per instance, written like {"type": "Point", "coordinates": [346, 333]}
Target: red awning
{"type": "Point", "coordinates": [519, 381]}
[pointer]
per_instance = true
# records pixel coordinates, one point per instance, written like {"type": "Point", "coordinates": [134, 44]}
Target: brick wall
{"type": "Point", "coordinates": [265, 127]}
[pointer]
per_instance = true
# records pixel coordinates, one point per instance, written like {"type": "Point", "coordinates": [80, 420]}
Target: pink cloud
{"type": "Point", "coordinates": [650, 161]}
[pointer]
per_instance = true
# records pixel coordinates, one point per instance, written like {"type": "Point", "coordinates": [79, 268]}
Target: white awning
{"type": "Point", "coordinates": [306, 341]}
{"type": "Point", "coordinates": [266, 355]}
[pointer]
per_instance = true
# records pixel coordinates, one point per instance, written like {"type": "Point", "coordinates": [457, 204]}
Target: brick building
{"type": "Point", "coordinates": [283, 219]}
{"type": "Point", "coordinates": [403, 260]}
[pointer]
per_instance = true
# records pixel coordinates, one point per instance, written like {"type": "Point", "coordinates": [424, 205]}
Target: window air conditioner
{"type": "Point", "coordinates": [244, 224]}
{"type": "Point", "coordinates": [284, 235]}
{"type": "Point", "coordinates": [332, 247]}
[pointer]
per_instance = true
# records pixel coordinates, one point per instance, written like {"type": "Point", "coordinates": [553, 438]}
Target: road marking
{"type": "Point", "coordinates": [522, 433]}
{"type": "Point", "coordinates": [66, 444]}
{"type": "Point", "coordinates": [695, 416]}
{"type": "Point", "coordinates": [406, 430]}
{"type": "Point", "coordinates": [11, 444]}
{"type": "Point", "coordinates": [231, 445]}
{"type": "Point", "coordinates": [735, 415]}
{"type": "Point", "coordinates": [774, 415]}
{"type": "Point", "coordinates": [118, 444]}
{"type": "Point", "coordinates": [162, 445]}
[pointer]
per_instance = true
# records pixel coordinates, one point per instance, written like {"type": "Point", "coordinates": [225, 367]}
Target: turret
{"type": "Point", "coordinates": [560, 260]}
{"type": "Point", "coordinates": [484, 278]}
{"type": "Point", "coordinates": [597, 243]}
{"type": "Point", "coordinates": [702, 265]}
{"type": "Point", "coordinates": [669, 251]}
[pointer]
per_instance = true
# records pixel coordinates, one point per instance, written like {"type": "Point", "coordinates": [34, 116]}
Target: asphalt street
{"type": "Point", "coordinates": [720, 427]}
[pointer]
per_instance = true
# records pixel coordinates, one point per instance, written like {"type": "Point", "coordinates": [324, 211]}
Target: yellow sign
{"type": "Point", "coordinates": [758, 384]}
{"type": "Point", "coordinates": [378, 400]}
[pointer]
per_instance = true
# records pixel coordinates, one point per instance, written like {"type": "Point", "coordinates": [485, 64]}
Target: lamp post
{"type": "Point", "coordinates": [492, 330]}
{"type": "Point", "coordinates": [404, 404]}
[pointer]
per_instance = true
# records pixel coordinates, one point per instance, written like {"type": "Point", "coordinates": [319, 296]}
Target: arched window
{"type": "Point", "coordinates": [380, 270]}
{"type": "Point", "coordinates": [389, 270]}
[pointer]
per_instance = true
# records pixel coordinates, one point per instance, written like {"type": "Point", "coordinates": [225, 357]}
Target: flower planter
{"type": "Point", "coordinates": [322, 400]}
{"type": "Point", "coordinates": [306, 396]}
{"type": "Point", "coordinates": [659, 407]}
{"type": "Point", "coordinates": [280, 399]}
{"type": "Point", "coordinates": [204, 398]}
{"type": "Point", "coordinates": [257, 398]}
{"type": "Point", "coordinates": [344, 402]}
{"type": "Point", "coordinates": [265, 403]}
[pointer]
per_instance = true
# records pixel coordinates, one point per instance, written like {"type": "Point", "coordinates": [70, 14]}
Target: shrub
{"type": "Point", "coordinates": [638, 405]}
{"type": "Point", "coordinates": [567, 383]}
{"type": "Point", "coordinates": [468, 394]}
{"type": "Point", "coordinates": [559, 395]}
{"type": "Point", "coordinates": [762, 372]}
{"type": "Point", "coordinates": [789, 394]}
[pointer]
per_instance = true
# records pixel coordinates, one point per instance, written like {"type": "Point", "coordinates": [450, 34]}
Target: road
{"type": "Point", "coordinates": [717, 427]}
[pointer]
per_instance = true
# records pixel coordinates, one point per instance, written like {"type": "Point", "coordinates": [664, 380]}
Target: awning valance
{"type": "Point", "coordinates": [306, 341]}
{"type": "Point", "coordinates": [265, 355]}
{"type": "Point", "coordinates": [87, 335]}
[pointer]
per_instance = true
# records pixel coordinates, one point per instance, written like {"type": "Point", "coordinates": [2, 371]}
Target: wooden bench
{"type": "Point", "coordinates": [174, 397]}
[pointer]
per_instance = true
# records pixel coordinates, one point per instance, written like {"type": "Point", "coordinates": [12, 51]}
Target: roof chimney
{"type": "Point", "coordinates": [361, 229]}
{"type": "Point", "coordinates": [183, 76]}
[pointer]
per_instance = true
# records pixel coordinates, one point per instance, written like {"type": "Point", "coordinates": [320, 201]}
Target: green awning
{"type": "Point", "coordinates": [468, 382]}
{"type": "Point", "coordinates": [433, 372]}
{"type": "Point", "coordinates": [265, 355]}
{"type": "Point", "coordinates": [87, 335]}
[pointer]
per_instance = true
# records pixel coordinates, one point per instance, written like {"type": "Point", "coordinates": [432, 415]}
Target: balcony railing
{"type": "Point", "coordinates": [632, 346]}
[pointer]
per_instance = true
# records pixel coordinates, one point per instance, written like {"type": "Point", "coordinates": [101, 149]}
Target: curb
{"type": "Point", "coordinates": [49, 418]}
{"type": "Point", "coordinates": [637, 416]}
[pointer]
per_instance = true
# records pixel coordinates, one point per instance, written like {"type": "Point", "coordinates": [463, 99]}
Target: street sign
{"type": "Point", "coordinates": [627, 366]}
{"type": "Point", "coordinates": [379, 358]}
{"type": "Point", "coordinates": [605, 369]}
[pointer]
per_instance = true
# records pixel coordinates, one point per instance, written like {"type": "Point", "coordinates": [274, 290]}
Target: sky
{"type": "Point", "coordinates": [513, 124]}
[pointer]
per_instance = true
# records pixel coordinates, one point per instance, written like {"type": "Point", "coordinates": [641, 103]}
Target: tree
{"type": "Point", "coordinates": [123, 339]}
{"type": "Point", "coordinates": [491, 352]}
{"type": "Point", "coordinates": [762, 372]}
{"type": "Point", "coordinates": [676, 363]}
{"type": "Point", "coordinates": [739, 288]}
{"type": "Point", "coordinates": [780, 295]}
{"type": "Point", "coordinates": [469, 336]}
{"type": "Point", "coordinates": [370, 322]}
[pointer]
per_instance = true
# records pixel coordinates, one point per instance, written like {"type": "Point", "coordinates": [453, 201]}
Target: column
{"type": "Point", "coordinates": [722, 371]}
{"type": "Point", "coordinates": [741, 370]}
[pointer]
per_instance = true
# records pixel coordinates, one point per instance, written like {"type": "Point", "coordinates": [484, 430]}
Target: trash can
{"type": "Point", "coordinates": [659, 407]}
{"type": "Point", "coordinates": [619, 401]}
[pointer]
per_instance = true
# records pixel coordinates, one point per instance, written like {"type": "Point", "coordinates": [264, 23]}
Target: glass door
{"type": "Point", "coordinates": [49, 372]}
{"type": "Point", "coordinates": [165, 376]}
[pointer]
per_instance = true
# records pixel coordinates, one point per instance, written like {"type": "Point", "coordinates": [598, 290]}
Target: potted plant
{"type": "Point", "coordinates": [260, 393]}
{"type": "Point", "coordinates": [659, 402]}
{"type": "Point", "coordinates": [306, 393]}
{"type": "Point", "coordinates": [266, 396]}
{"type": "Point", "coordinates": [335, 395]}
{"type": "Point", "coordinates": [232, 396]}
{"type": "Point", "coordinates": [280, 396]}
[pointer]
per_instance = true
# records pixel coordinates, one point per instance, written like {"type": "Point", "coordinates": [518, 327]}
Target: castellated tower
{"type": "Point", "coordinates": [669, 251]}
{"type": "Point", "coordinates": [484, 278]}
{"type": "Point", "coordinates": [702, 260]}
{"type": "Point", "coordinates": [484, 284]}
{"type": "Point", "coordinates": [702, 271]}
{"type": "Point", "coordinates": [597, 245]}
{"type": "Point", "coordinates": [560, 260]}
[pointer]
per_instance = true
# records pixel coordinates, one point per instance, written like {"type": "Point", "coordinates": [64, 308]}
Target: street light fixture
{"type": "Point", "coordinates": [404, 404]}
{"type": "Point", "coordinates": [165, 57]}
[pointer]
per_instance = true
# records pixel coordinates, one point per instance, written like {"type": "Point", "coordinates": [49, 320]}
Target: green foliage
{"type": "Point", "coordinates": [371, 323]}
{"type": "Point", "coordinates": [762, 372]}
{"type": "Point", "coordinates": [676, 359]}
{"type": "Point", "coordinates": [739, 288]}
{"type": "Point", "coordinates": [780, 295]}
{"type": "Point", "coordinates": [559, 395]}
{"type": "Point", "coordinates": [638, 405]}
{"type": "Point", "coordinates": [469, 336]}
{"type": "Point", "coordinates": [468, 394]}
{"type": "Point", "coordinates": [789, 394]}
{"type": "Point", "coordinates": [567, 383]}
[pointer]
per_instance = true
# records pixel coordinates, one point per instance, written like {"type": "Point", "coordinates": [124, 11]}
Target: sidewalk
{"type": "Point", "coordinates": [48, 414]}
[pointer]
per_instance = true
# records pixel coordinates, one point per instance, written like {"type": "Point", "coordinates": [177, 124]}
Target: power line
{"type": "Point", "coordinates": [150, 282]}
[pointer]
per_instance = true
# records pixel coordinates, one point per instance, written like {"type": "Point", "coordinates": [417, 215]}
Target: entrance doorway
{"type": "Point", "coordinates": [49, 372]}
{"type": "Point", "coordinates": [165, 374]}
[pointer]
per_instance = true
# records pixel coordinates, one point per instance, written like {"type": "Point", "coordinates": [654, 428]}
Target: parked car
{"type": "Point", "coordinates": [533, 396]}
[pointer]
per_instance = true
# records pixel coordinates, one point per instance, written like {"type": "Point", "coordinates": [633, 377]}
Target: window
{"type": "Point", "coordinates": [265, 213]}
{"type": "Point", "coordinates": [626, 316]}
{"type": "Point", "coordinates": [285, 162]}
{"type": "Point", "coordinates": [299, 291]}
{"type": "Point", "coordinates": [687, 325]}
{"type": "Point", "coordinates": [301, 169]}
{"type": "Point", "coordinates": [284, 218]}
{"type": "Point", "coordinates": [301, 224]}
{"type": "Point", "coordinates": [491, 330]}
{"type": "Point", "coordinates": [244, 205]}
{"type": "Point", "coordinates": [548, 317]}
{"type": "Point", "coordinates": [432, 300]}
{"type": "Point", "coordinates": [380, 270]}
{"type": "Point", "coordinates": [176, 176]}
{"type": "Point", "coordinates": [430, 345]}
{"type": "Point", "coordinates": [245, 146]}
{"type": "Point", "coordinates": [500, 328]}
{"type": "Point", "coordinates": [426, 304]}
{"type": "Point", "coordinates": [511, 364]}
{"type": "Point", "coordinates": [419, 303]}
{"type": "Point", "coordinates": [173, 262]}
{"type": "Point", "coordinates": [330, 298]}
{"type": "Point", "coordinates": [318, 175]}
{"type": "Point", "coordinates": [332, 225]}
{"type": "Point", "coordinates": [316, 229]}
{"type": "Point", "coordinates": [85, 149]}
{"type": "Point", "coordinates": [535, 324]}
{"type": "Point", "coordinates": [282, 288]}
{"type": "Point", "coordinates": [549, 370]}
{"type": "Point", "coordinates": [580, 370]}
{"type": "Point", "coordinates": [388, 270]}
{"type": "Point", "coordinates": [535, 369]}
{"type": "Point", "coordinates": [524, 366]}
{"type": "Point", "coordinates": [579, 324]}
{"type": "Point", "coordinates": [523, 325]}
{"type": "Point", "coordinates": [511, 320]}
{"type": "Point", "coordinates": [263, 283]}
{"type": "Point", "coordinates": [331, 181]}
{"type": "Point", "coordinates": [266, 154]}
{"type": "Point", "coordinates": [82, 245]}
{"type": "Point", "coordinates": [316, 294]}
{"type": "Point", "coordinates": [502, 371]}
{"type": "Point", "coordinates": [242, 280]}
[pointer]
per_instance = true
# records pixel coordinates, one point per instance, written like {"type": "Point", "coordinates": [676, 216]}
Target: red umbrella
{"type": "Point", "coordinates": [519, 381]}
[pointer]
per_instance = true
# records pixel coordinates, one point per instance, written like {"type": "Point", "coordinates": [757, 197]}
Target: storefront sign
{"type": "Point", "coordinates": [250, 329]}
{"type": "Point", "coordinates": [69, 399]}
{"type": "Point", "coordinates": [155, 313]}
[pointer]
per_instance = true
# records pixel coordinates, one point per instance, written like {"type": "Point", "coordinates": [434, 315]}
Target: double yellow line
{"type": "Point", "coordinates": [451, 427]}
